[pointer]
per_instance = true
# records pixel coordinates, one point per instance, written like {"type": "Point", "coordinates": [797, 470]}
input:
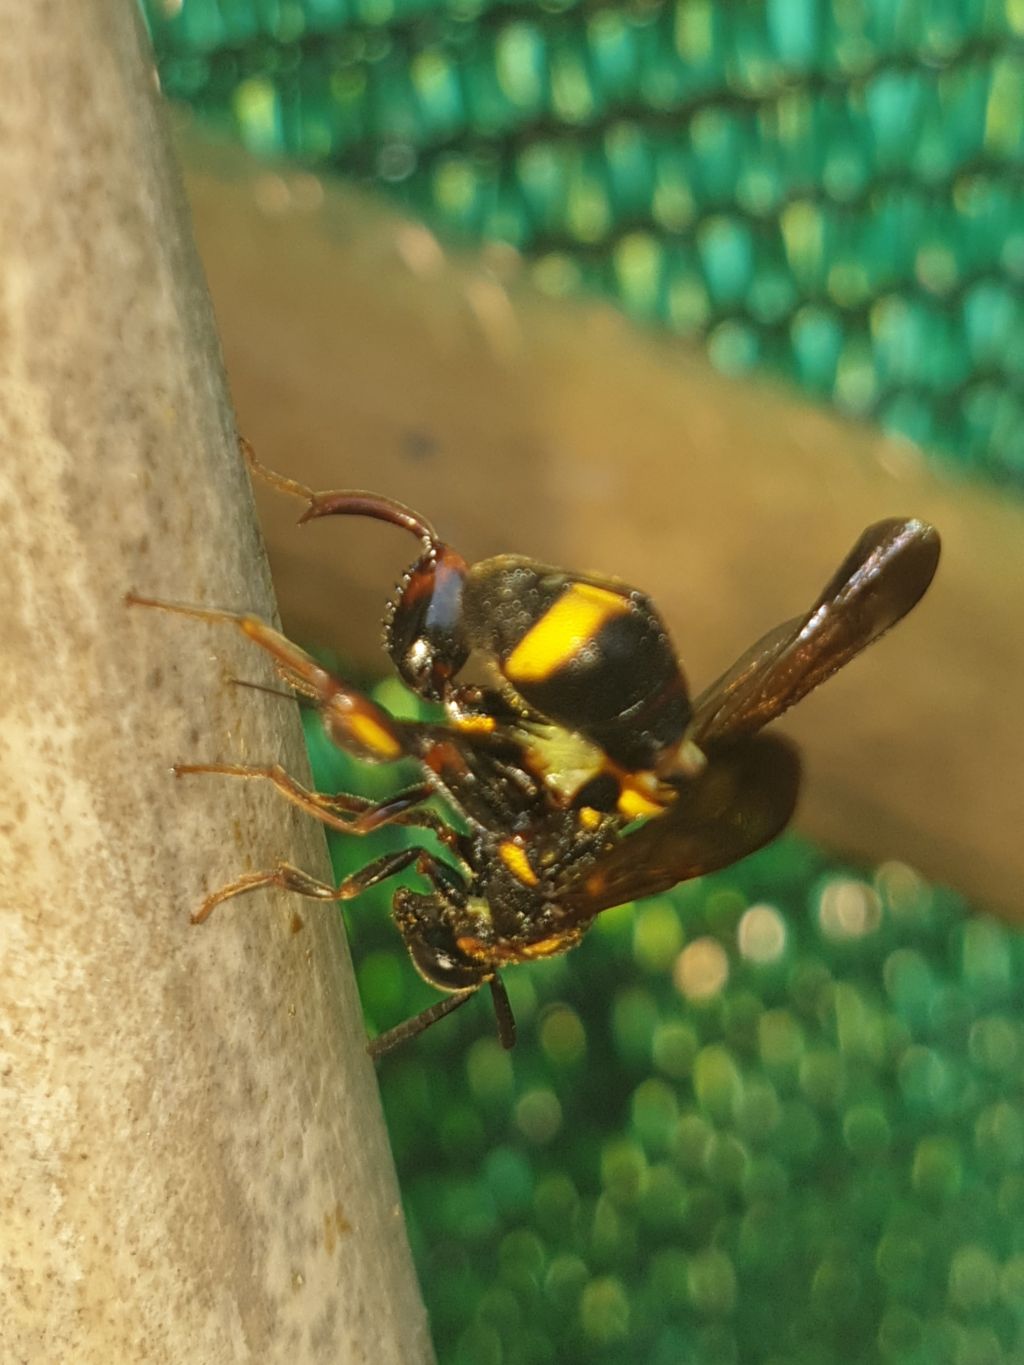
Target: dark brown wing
{"type": "Point", "coordinates": [743, 799]}
{"type": "Point", "coordinates": [878, 582]}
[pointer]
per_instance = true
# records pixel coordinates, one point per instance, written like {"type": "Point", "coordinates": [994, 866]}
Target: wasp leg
{"type": "Point", "coordinates": [503, 1013]}
{"type": "Point", "coordinates": [339, 810]}
{"type": "Point", "coordinates": [291, 878]}
{"type": "Point", "coordinates": [410, 1028]}
{"type": "Point", "coordinates": [353, 721]}
{"type": "Point", "coordinates": [341, 502]}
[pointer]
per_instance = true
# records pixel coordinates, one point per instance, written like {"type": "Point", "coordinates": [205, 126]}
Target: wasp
{"type": "Point", "coordinates": [584, 774]}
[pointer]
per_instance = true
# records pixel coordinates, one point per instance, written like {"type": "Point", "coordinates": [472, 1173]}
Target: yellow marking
{"type": "Point", "coordinates": [479, 909]}
{"type": "Point", "coordinates": [640, 793]}
{"type": "Point", "coordinates": [564, 760]}
{"type": "Point", "coordinates": [562, 631]}
{"type": "Point", "coordinates": [512, 951]}
{"type": "Point", "coordinates": [515, 859]}
{"type": "Point", "coordinates": [548, 947]}
{"type": "Point", "coordinates": [472, 947]}
{"type": "Point", "coordinates": [372, 735]}
{"type": "Point", "coordinates": [633, 803]}
{"type": "Point", "coordinates": [475, 725]}
{"type": "Point", "coordinates": [589, 817]}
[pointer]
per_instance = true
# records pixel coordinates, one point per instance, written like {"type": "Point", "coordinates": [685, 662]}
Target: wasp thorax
{"type": "Point", "coordinates": [423, 629]}
{"type": "Point", "coordinates": [590, 654]}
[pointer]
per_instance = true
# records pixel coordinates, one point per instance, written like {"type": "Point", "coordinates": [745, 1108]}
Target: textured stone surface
{"type": "Point", "coordinates": [195, 1166]}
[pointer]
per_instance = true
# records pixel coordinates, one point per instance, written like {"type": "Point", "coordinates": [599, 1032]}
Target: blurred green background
{"type": "Point", "coordinates": [776, 1117]}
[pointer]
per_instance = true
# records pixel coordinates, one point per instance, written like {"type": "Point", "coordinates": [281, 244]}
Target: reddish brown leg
{"type": "Point", "coordinates": [339, 810]}
{"type": "Point", "coordinates": [291, 878]}
{"type": "Point", "coordinates": [352, 720]}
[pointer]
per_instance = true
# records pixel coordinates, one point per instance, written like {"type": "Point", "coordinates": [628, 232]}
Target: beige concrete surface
{"type": "Point", "coordinates": [194, 1163]}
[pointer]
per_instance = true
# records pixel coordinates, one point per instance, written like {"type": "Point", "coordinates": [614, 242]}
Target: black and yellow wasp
{"type": "Point", "coordinates": [585, 729]}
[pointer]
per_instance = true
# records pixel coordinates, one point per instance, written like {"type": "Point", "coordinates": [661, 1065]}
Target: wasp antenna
{"type": "Point", "coordinates": [503, 1013]}
{"type": "Point", "coordinates": [340, 503]}
{"type": "Point", "coordinates": [279, 481]}
{"type": "Point", "coordinates": [384, 1042]}
{"type": "Point", "coordinates": [358, 504]}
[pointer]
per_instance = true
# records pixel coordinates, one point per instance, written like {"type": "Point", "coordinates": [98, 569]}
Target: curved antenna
{"type": "Point", "coordinates": [503, 1012]}
{"type": "Point", "coordinates": [384, 1042]}
{"type": "Point", "coordinates": [346, 503]}
{"type": "Point", "coordinates": [342, 502]}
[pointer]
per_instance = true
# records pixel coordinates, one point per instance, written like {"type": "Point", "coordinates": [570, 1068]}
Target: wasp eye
{"type": "Point", "coordinates": [423, 630]}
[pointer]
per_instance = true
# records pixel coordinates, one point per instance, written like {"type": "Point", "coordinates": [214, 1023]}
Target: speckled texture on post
{"type": "Point", "coordinates": [194, 1163]}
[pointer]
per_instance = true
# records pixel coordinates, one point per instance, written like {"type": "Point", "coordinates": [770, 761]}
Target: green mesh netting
{"type": "Point", "coordinates": [834, 191]}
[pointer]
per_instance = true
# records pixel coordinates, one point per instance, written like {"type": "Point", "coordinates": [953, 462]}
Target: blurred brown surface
{"type": "Point", "coordinates": [362, 355]}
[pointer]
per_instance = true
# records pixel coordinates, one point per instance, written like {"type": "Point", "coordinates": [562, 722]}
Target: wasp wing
{"type": "Point", "coordinates": [883, 576]}
{"type": "Point", "coordinates": [742, 800]}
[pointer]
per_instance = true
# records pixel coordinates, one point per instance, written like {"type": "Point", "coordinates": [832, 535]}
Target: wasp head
{"type": "Point", "coordinates": [424, 631]}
